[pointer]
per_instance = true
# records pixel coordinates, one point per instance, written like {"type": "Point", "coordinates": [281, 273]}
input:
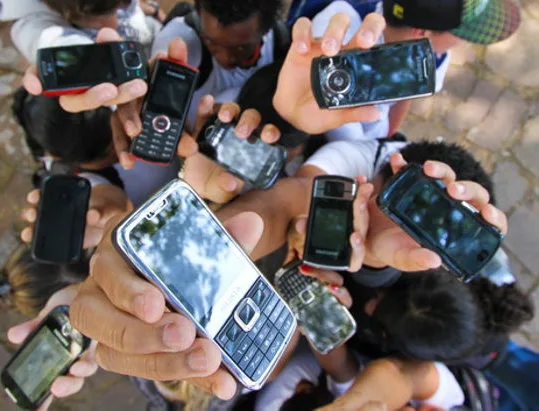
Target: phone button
{"type": "Point", "coordinates": [233, 332]}
{"type": "Point", "coordinates": [242, 349]}
{"type": "Point", "coordinates": [161, 123]}
{"type": "Point", "coordinates": [275, 347]}
{"type": "Point", "coordinates": [306, 296]}
{"type": "Point", "coordinates": [247, 314]}
{"type": "Point", "coordinates": [264, 364]}
{"type": "Point", "coordinates": [253, 365]}
{"type": "Point", "coordinates": [266, 344]}
{"type": "Point", "coordinates": [248, 357]}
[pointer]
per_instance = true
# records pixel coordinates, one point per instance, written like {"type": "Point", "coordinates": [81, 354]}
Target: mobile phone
{"type": "Point", "coordinates": [59, 229]}
{"type": "Point", "coordinates": [164, 111]}
{"type": "Point", "coordinates": [75, 69]}
{"type": "Point", "coordinates": [384, 73]}
{"type": "Point", "coordinates": [330, 223]}
{"type": "Point", "coordinates": [250, 159]}
{"type": "Point", "coordinates": [176, 243]}
{"type": "Point", "coordinates": [324, 321]}
{"type": "Point", "coordinates": [451, 228]}
{"type": "Point", "coordinates": [47, 353]}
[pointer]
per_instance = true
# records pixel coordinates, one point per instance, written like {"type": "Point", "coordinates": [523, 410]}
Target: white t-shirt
{"type": "Point", "coordinates": [364, 130]}
{"type": "Point", "coordinates": [220, 79]}
{"type": "Point", "coordinates": [43, 27]}
{"type": "Point", "coordinates": [354, 158]}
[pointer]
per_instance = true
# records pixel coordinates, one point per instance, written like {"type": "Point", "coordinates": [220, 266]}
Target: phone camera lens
{"type": "Point", "coordinates": [338, 81]}
{"type": "Point", "coordinates": [132, 59]}
{"type": "Point", "coordinates": [334, 189]}
{"type": "Point", "coordinates": [66, 330]}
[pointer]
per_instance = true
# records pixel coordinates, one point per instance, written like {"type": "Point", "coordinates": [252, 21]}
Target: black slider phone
{"type": "Point", "coordinates": [250, 159]}
{"type": "Point", "coordinates": [164, 111]}
{"type": "Point", "coordinates": [330, 223]}
{"type": "Point", "coordinates": [47, 353]}
{"type": "Point", "coordinates": [385, 73]}
{"type": "Point", "coordinates": [59, 230]}
{"type": "Point", "coordinates": [453, 229]}
{"type": "Point", "coordinates": [75, 69]}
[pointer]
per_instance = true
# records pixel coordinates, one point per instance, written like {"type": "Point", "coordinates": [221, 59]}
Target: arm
{"type": "Point", "coordinates": [340, 364]}
{"type": "Point", "coordinates": [397, 114]}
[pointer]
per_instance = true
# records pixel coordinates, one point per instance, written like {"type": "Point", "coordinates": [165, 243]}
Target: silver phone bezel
{"type": "Point", "coordinates": [121, 239]}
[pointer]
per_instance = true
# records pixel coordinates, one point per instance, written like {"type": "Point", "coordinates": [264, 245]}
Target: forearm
{"type": "Point", "coordinates": [340, 364]}
{"type": "Point", "coordinates": [397, 114]}
{"type": "Point", "coordinates": [288, 198]}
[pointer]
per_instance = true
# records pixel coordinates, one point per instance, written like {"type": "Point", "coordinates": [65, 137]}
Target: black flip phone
{"type": "Point", "coordinates": [384, 73]}
{"type": "Point", "coordinates": [330, 223]}
{"type": "Point", "coordinates": [250, 159]}
{"type": "Point", "coordinates": [75, 69]}
{"type": "Point", "coordinates": [451, 228]}
{"type": "Point", "coordinates": [59, 229]}
{"type": "Point", "coordinates": [46, 354]}
{"type": "Point", "coordinates": [164, 111]}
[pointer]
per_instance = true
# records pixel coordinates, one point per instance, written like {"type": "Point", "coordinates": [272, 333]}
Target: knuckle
{"type": "Point", "coordinates": [119, 338]}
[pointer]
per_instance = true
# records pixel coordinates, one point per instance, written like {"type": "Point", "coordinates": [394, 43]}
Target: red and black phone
{"type": "Point", "coordinates": [75, 69]}
{"type": "Point", "coordinates": [164, 111]}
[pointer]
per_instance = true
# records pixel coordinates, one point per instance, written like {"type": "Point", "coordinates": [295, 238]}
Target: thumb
{"type": "Point", "coordinates": [177, 50]}
{"type": "Point", "coordinates": [246, 228]}
{"type": "Point", "coordinates": [107, 34]}
{"type": "Point", "coordinates": [204, 112]}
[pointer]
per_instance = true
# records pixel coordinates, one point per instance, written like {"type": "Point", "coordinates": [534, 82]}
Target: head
{"type": "Point", "coordinates": [257, 93]}
{"type": "Point", "coordinates": [84, 138]}
{"type": "Point", "coordinates": [430, 316]}
{"type": "Point", "coordinates": [94, 14]}
{"type": "Point", "coordinates": [32, 283]}
{"type": "Point", "coordinates": [232, 31]}
{"type": "Point", "coordinates": [308, 396]}
{"type": "Point", "coordinates": [451, 22]}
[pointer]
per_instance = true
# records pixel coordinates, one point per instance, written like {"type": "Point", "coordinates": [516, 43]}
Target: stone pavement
{"type": "Point", "coordinates": [490, 105]}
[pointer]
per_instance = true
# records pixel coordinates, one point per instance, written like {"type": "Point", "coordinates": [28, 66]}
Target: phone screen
{"type": "Point", "coordinates": [39, 363]}
{"type": "Point", "coordinates": [189, 252]}
{"type": "Point", "coordinates": [449, 228]}
{"type": "Point", "coordinates": [329, 231]}
{"type": "Point", "coordinates": [248, 159]}
{"type": "Point", "coordinates": [88, 64]}
{"type": "Point", "coordinates": [170, 91]}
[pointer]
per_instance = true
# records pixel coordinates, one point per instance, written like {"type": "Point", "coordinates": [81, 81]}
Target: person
{"type": "Point", "coordinates": [68, 22]}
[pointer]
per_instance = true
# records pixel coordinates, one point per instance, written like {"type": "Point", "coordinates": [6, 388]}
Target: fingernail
{"type": "Point", "coordinates": [172, 336]}
{"type": "Point", "coordinates": [301, 47]}
{"type": "Point", "coordinates": [232, 185]}
{"type": "Point", "coordinates": [136, 88]}
{"type": "Point", "coordinates": [242, 130]}
{"type": "Point", "coordinates": [130, 128]}
{"type": "Point", "coordinates": [331, 46]}
{"type": "Point", "coordinates": [356, 241]}
{"type": "Point", "coordinates": [305, 268]}
{"type": "Point", "coordinates": [363, 205]}
{"type": "Point", "coordinates": [196, 360]}
{"type": "Point", "coordinates": [460, 188]}
{"type": "Point", "coordinates": [107, 95]}
{"type": "Point", "coordinates": [335, 287]}
{"type": "Point", "coordinates": [367, 36]}
{"type": "Point", "coordinates": [139, 305]}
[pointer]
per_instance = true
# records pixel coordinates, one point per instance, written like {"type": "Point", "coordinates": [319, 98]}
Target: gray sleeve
{"type": "Point", "coordinates": [374, 278]}
{"type": "Point", "coordinates": [178, 28]}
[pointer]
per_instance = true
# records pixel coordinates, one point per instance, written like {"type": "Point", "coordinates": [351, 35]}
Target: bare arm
{"type": "Point", "coordinates": [397, 114]}
{"type": "Point", "coordinates": [340, 364]}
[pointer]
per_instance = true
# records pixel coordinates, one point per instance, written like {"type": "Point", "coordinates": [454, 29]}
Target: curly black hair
{"type": "Point", "coordinates": [458, 158]}
{"type": "Point", "coordinates": [505, 307]}
{"type": "Point", "coordinates": [237, 11]}
{"type": "Point", "coordinates": [74, 9]}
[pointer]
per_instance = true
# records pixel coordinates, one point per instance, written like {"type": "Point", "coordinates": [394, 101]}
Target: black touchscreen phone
{"type": "Point", "coordinates": [59, 229]}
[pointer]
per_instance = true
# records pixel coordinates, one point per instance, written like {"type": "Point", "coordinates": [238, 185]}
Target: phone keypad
{"type": "Point", "coordinates": [253, 351]}
{"type": "Point", "coordinates": [158, 140]}
{"type": "Point", "coordinates": [290, 286]}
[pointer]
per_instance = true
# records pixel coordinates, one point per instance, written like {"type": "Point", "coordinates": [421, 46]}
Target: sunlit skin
{"type": "Point", "coordinates": [442, 41]}
{"type": "Point", "coordinates": [231, 45]}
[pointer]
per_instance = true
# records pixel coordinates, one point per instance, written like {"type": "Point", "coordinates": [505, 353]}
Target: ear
{"type": "Point", "coordinates": [420, 33]}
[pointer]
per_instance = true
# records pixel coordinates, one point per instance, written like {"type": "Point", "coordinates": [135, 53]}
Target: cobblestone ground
{"type": "Point", "coordinates": [490, 105]}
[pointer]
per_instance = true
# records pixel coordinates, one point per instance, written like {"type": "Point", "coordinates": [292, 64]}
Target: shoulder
{"type": "Point", "coordinates": [177, 27]}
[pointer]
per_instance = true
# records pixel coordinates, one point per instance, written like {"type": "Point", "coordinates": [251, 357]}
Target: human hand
{"type": "Point", "coordinates": [116, 307]}
{"type": "Point", "coordinates": [340, 405]}
{"type": "Point", "coordinates": [106, 201]}
{"type": "Point", "coordinates": [390, 245]}
{"type": "Point", "coordinates": [294, 99]}
{"type": "Point", "coordinates": [86, 366]}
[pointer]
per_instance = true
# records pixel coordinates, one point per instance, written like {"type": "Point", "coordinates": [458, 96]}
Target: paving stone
{"type": "Point", "coordinates": [460, 81]}
{"type": "Point", "coordinates": [463, 54]}
{"type": "Point", "coordinates": [525, 280]}
{"type": "Point", "coordinates": [13, 199]}
{"type": "Point", "coordinates": [512, 58]}
{"type": "Point", "coordinates": [509, 184]}
{"type": "Point", "coordinates": [521, 339]}
{"type": "Point", "coordinates": [523, 236]}
{"type": "Point", "coordinates": [476, 107]}
{"type": "Point", "coordinates": [527, 151]}
{"type": "Point", "coordinates": [422, 107]}
{"type": "Point", "coordinates": [502, 122]}
{"type": "Point", "coordinates": [418, 129]}
{"type": "Point", "coordinates": [443, 103]}
{"type": "Point", "coordinates": [8, 242]}
{"type": "Point", "coordinates": [532, 7]}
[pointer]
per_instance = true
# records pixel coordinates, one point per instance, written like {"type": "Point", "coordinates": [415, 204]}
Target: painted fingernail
{"type": "Point", "coordinates": [335, 287]}
{"type": "Point", "coordinates": [460, 188]}
{"type": "Point", "coordinates": [172, 336]}
{"type": "Point", "coordinates": [305, 268]}
{"type": "Point", "coordinates": [301, 47]}
{"type": "Point", "coordinates": [196, 360]}
{"type": "Point", "coordinates": [367, 36]}
{"type": "Point", "coordinates": [331, 46]}
{"type": "Point", "coordinates": [139, 306]}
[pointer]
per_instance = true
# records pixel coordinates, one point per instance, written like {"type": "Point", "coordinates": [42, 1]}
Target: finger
{"type": "Point", "coordinates": [228, 112]}
{"type": "Point", "coordinates": [397, 162]}
{"type": "Point", "coordinates": [439, 171]}
{"type": "Point", "coordinates": [29, 214]}
{"type": "Point", "coordinates": [301, 36]}
{"type": "Point", "coordinates": [333, 37]}
{"type": "Point", "coordinates": [229, 183]}
{"type": "Point", "coordinates": [129, 116]}
{"type": "Point", "coordinates": [107, 35]}
{"type": "Point", "coordinates": [358, 252]}
{"type": "Point", "coordinates": [202, 359]}
{"type": "Point", "coordinates": [416, 259]}
{"type": "Point", "coordinates": [301, 225]}
{"type": "Point", "coordinates": [83, 368]}
{"type": "Point", "coordinates": [359, 114]}
{"type": "Point", "coordinates": [122, 332]}
{"type": "Point", "coordinates": [31, 82]}
{"type": "Point", "coordinates": [221, 384]}
{"type": "Point", "coordinates": [93, 217]}
{"type": "Point", "coordinates": [101, 95]}
{"type": "Point", "coordinates": [342, 294]}
{"type": "Point", "coordinates": [247, 123]}
{"type": "Point", "coordinates": [326, 276]}
{"type": "Point", "coordinates": [18, 333]}
{"type": "Point", "coordinates": [371, 29]}
{"type": "Point", "coordinates": [64, 386]}
{"type": "Point", "coordinates": [123, 288]}
{"type": "Point", "coordinates": [270, 134]}
{"type": "Point", "coordinates": [246, 228]}
{"type": "Point", "coordinates": [188, 146]}
{"type": "Point", "coordinates": [27, 234]}
{"type": "Point", "coordinates": [177, 50]}
{"type": "Point", "coordinates": [129, 92]}
{"type": "Point", "coordinates": [46, 404]}
{"type": "Point", "coordinates": [361, 214]}
{"type": "Point", "coordinates": [496, 217]}
{"type": "Point", "coordinates": [121, 142]}
{"type": "Point", "coordinates": [204, 112]}
{"type": "Point", "coordinates": [33, 197]}
{"type": "Point", "coordinates": [469, 191]}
